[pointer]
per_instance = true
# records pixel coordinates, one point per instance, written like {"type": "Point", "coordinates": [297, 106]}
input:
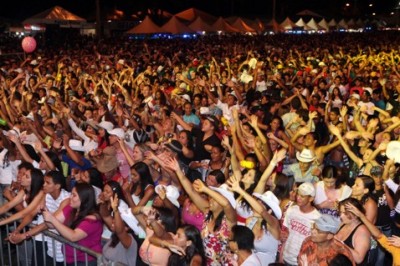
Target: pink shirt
{"type": "Point", "coordinates": [151, 254]}
{"type": "Point", "coordinates": [124, 167]}
{"type": "Point", "coordinates": [93, 229]}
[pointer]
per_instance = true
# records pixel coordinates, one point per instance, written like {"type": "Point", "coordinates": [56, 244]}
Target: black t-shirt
{"type": "Point", "coordinates": [200, 152]}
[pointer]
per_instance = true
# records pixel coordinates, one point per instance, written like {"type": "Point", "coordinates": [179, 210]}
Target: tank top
{"type": "Point", "coordinates": [349, 242]}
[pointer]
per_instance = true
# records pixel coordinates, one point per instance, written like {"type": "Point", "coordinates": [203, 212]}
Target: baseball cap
{"type": "Point", "coordinates": [327, 223]}
{"type": "Point", "coordinates": [306, 189]}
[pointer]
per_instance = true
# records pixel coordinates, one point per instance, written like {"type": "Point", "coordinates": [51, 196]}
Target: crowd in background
{"type": "Point", "coordinates": [216, 150]}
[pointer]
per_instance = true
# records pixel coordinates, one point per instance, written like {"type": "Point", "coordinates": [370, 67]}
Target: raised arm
{"type": "Point", "coordinates": [195, 196]}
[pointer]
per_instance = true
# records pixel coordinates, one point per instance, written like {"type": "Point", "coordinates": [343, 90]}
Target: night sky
{"type": "Point", "coordinates": [19, 10]}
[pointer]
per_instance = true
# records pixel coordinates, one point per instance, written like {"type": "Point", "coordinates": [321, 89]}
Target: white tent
{"type": "Point", "coordinates": [300, 23]}
{"type": "Point", "coordinates": [313, 24]}
{"type": "Point", "coordinates": [342, 24]}
{"type": "Point", "coordinates": [332, 23]}
{"type": "Point", "coordinates": [352, 24]}
{"type": "Point", "coordinates": [287, 24]}
{"type": "Point", "coordinates": [324, 24]}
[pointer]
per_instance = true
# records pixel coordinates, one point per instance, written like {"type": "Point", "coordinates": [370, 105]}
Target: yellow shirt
{"type": "Point", "coordinates": [395, 251]}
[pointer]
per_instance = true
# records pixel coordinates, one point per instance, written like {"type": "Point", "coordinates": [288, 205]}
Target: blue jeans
{"type": "Point", "coordinates": [377, 255]}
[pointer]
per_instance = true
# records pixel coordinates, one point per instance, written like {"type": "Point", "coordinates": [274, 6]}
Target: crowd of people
{"type": "Point", "coordinates": [217, 150]}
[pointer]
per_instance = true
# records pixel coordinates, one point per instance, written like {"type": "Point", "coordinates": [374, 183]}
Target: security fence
{"type": "Point", "coordinates": [31, 252]}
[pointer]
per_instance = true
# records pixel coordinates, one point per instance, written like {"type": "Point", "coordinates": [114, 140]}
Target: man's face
{"type": "Point", "coordinates": [318, 236]}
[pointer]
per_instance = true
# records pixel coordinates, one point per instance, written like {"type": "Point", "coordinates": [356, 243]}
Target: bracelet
{"type": "Point", "coordinates": [27, 235]}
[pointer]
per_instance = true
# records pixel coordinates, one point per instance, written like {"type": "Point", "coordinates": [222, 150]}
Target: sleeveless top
{"type": "Point", "coordinates": [216, 245]}
{"type": "Point", "coordinates": [349, 242]}
{"type": "Point", "coordinates": [192, 219]}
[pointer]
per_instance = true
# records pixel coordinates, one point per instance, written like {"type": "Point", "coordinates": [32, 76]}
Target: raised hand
{"type": "Point", "coordinates": [199, 186]}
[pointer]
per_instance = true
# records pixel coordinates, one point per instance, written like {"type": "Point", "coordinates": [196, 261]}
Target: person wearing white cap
{"type": "Point", "coordinates": [305, 170]}
{"type": "Point", "coordinates": [321, 246]}
{"type": "Point", "coordinates": [124, 152]}
{"type": "Point", "coordinates": [220, 212]}
{"type": "Point", "coordinates": [299, 220]}
{"type": "Point", "coordinates": [230, 103]}
{"type": "Point", "coordinates": [266, 210]}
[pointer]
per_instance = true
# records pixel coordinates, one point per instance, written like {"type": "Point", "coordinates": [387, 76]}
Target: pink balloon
{"type": "Point", "coordinates": [29, 44]}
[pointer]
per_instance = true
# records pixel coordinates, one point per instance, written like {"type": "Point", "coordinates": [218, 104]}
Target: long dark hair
{"type": "Point", "coordinates": [37, 181]}
{"type": "Point", "coordinates": [218, 220]}
{"type": "Point", "coordinates": [88, 204]}
{"type": "Point", "coordinates": [329, 172]}
{"type": "Point", "coordinates": [167, 218]}
{"type": "Point", "coordinates": [282, 189]}
{"type": "Point", "coordinates": [369, 183]}
{"type": "Point", "coordinates": [116, 189]}
{"type": "Point", "coordinates": [145, 177]}
{"type": "Point", "coordinates": [196, 248]}
{"type": "Point", "coordinates": [95, 177]}
{"type": "Point", "coordinates": [250, 189]}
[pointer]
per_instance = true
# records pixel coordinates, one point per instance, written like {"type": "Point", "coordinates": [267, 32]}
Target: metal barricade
{"type": "Point", "coordinates": [27, 254]}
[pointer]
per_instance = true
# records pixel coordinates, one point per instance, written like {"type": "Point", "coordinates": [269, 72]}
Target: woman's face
{"type": "Point", "coordinates": [358, 189]}
{"type": "Point", "coordinates": [26, 179]}
{"type": "Point", "coordinates": [248, 178]}
{"type": "Point", "coordinates": [137, 154]}
{"type": "Point", "coordinates": [273, 145]}
{"type": "Point", "coordinates": [216, 154]}
{"type": "Point", "coordinates": [366, 155]}
{"type": "Point", "coordinates": [180, 239]}
{"type": "Point", "coordinates": [135, 177]}
{"type": "Point", "coordinates": [107, 192]}
{"type": "Point", "coordinates": [183, 138]}
{"type": "Point", "coordinates": [102, 132]}
{"type": "Point", "coordinates": [75, 201]}
{"type": "Point", "coordinates": [345, 216]}
{"type": "Point", "coordinates": [275, 124]}
{"type": "Point", "coordinates": [329, 183]}
{"type": "Point", "coordinates": [214, 205]}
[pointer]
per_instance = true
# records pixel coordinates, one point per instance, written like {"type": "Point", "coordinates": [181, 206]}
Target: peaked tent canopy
{"type": "Point", "coordinates": [300, 23]}
{"type": "Point", "coordinates": [307, 12]}
{"type": "Point", "coordinates": [324, 24]}
{"type": "Point", "coordinates": [342, 24]}
{"type": "Point", "coordinates": [200, 25]}
{"type": "Point", "coordinates": [192, 13]}
{"type": "Point", "coordinates": [146, 27]}
{"type": "Point", "coordinates": [287, 24]}
{"type": "Point", "coordinates": [222, 25]}
{"type": "Point", "coordinates": [313, 24]}
{"type": "Point", "coordinates": [273, 25]}
{"type": "Point", "coordinates": [332, 23]}
{"type": "Point", "coordinates": [54, 15]}
{"type": "Point", "coordinates": [174, 26]}
{"type": "Point", "coordinates": [242, 26]}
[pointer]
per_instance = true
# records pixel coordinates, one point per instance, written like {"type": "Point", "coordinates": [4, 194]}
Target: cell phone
{"type": "Point", "coordinates": [59, 134]}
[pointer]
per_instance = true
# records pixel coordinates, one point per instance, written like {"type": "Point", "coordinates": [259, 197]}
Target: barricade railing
{"type": "Point", "coordinates": [23, 253]}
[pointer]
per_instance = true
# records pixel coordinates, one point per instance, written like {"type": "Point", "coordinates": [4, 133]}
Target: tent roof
{"type": "Point", "coordinates": [342, 24]}
{"type": "Point", "coordinates": [332, 23]}
{"type": "Point", "coordinates": [307, 12]}
{"type": "Point", "coordinates": [323, 24]}
{"type": "Point", "coordinates": [200, 25]}
{"type": "Point", "coordinates": [313, 24]}
{"type": "Point", "coordinates": [53, 15]}
{"type": "Point", "coordinates": [192, 13]}
{"type": "Point", "coordinates": [273, 25]}
{"type": "Point", "coordinates": [242, 26]}
{"type": "Point", "coordinates": [222, 25]}
{"type": "Point", "coordinates": [146, 27]}
{"type": "Point", "coordinates": [174, 26]}
{"type": "Point", "coordinates": [287, 24]}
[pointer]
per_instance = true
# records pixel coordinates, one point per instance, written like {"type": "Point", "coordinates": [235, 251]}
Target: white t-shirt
{"type": "Point", "coordinates": [252, 260]}
{"type": "Point", "coordinates": [299, 225]}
